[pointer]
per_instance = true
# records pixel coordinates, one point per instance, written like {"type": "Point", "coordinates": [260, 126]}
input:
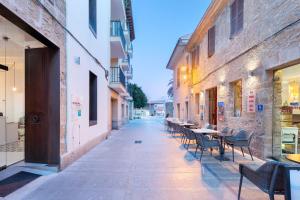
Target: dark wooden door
{"type": "Point", "coordinates": [36, 110]}
{"type": "Point", "coordinates": [213, 106]}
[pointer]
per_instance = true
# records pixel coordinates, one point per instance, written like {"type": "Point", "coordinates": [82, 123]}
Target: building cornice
{"type": "Point", "coordinates": [206, 22]}
{"type": "Point", "coordinates": [182, 42]}
{"type": "Point", "coordinates": [129, 17]}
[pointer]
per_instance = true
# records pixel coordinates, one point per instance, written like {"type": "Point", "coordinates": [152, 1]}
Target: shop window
{"type": "Point", "coordinates": [236, 17]}
{"type": "Point", "coordinates": [211, 41]}
{"type": "Point", "coordinates": [286, 113]}
{"type": "Point", "coordinates": [93, 99]}
{"type": "Point", "coordinates": [93, 16]}
{"type": "Point", "coordinates": [237, 98]}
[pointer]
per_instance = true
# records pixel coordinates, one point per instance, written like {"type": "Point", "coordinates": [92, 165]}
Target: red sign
{"type": "Point", "coordinates": [251, 102]}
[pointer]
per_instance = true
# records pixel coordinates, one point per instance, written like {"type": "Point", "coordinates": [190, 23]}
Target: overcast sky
{"type": "Point", "coordinates": [158, 25]}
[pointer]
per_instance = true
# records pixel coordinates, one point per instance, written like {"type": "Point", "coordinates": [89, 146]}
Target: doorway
{"type": "Point", "coordinates": [114, 114]}
{"type": "Point", "coordinates": [186, 111]}
{"type": "Point", "coordinates": [29, 98]}
{"type": "Point", "coordinates": [212, 106]}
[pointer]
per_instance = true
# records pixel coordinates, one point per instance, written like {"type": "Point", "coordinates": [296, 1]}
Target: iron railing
{"type": "Point", "coordinates": [117, 76]}
{"type": "Point", "coordinates": [116, 30]}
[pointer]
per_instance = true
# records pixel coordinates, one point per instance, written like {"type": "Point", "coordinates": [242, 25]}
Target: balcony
{"type": "Point", "coordinates": [129, 73]}
{"type": "Point", "coordinates": [129, 49]}
{"type": "Point", "coordinates": [125, 63]}
{"type": "Point", "coordinates": [117, 39]}
{"type": "Point", "coordinates": [118, 80]}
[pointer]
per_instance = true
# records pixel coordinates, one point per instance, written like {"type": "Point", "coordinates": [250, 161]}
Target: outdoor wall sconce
{"type": "Point", "coordinates": [222, 83]}
{"type": "Point", "coordinates": [192, 91]}
{"type": "Point", "coordinates": [250, 73]}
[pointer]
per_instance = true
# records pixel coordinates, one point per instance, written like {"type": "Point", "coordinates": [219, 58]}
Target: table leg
{"type": "Point", "coordinates": [221, 157]}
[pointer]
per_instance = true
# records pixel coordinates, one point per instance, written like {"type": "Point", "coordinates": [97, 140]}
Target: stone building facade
{"type": "Point", "coordinates": [264, 43]}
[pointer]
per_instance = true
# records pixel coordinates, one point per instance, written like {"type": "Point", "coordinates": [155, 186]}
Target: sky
{"type": "Point", "coordinates": [158, 25]}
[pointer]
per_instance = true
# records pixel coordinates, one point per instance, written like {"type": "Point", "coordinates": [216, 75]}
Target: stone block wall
{"type": "Point", "coordinates": [266, 43]}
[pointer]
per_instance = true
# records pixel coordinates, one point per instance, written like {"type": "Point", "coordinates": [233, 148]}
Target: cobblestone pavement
{"type": "Point", "coordinates": [157, 168]}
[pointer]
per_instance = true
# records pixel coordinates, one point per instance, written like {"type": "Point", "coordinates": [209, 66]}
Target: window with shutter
{"type": "Point", "coordinates": [178, 78]}
{"type": "Point", "coordinates": [211, 41]}
{"type": "Point", "coordinates": [240, 15]}
{"type": "Point", "coordinates": [93, 16]}
{"type": "Point", "coordinates": [236, 17]}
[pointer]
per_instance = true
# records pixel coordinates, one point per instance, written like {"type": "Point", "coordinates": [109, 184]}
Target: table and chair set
{"type": "Point", "coordinates": [209, 138]}
{"type": "Point", "coordinates": [273, 177]}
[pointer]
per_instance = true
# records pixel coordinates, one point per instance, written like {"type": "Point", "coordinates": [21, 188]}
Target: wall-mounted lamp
{"type": "Point", "coordinates": [222, 83]}
{"type": "Point", "coordinates": [183, 68]}
{"type": "Point", "coordinates": [250, 73]}
{"type": "Point", "coordinates": [192, 91]}
{"type": "Point", "coordinates": [184, 77]}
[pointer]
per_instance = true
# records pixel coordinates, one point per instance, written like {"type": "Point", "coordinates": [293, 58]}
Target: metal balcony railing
{"type": "Point", "coordinates": [116, 30]}
{"type": "Point", "coordinates": [117, 76]}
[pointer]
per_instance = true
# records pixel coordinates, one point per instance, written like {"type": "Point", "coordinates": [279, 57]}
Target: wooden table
{"type": "Point", "coordinates": [293, 157]}
{"type": "Point", "coordinates": [221, 157]}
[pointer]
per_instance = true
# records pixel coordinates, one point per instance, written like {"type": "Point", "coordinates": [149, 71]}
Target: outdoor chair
{"type": "Point", "coordinates": [204, 143]}
{"type": "Point", "coordinates": [242, 139]}
{"type": "Point", "coordinates": [175, 129]}
{"type": "Point", "coordinates": [190, 136]}
{"type": "Point", "coordinates": [269, 178]}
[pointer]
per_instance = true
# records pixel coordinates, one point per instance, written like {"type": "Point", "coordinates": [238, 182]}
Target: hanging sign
{"type": "Point", "coordinates": [251, 102]}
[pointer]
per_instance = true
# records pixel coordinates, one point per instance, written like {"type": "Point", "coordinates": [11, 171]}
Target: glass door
{"type": "Point", "coordinates": [3, 69]}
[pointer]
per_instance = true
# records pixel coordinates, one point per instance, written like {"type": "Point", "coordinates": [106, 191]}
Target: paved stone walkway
{"type": "Point", "coordinates": [157, 169]}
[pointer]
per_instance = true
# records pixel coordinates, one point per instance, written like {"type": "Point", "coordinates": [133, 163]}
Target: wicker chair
{"type": "Point", "coordinates": [204, 143]}
{"type": "Point", "coordinates": [241, 139]}
{"type": "Point", "coordinates": [269, 178]}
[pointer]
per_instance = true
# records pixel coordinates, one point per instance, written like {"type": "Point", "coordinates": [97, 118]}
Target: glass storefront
{"type": "Point", "coordinates": [286, 115]}
{"type": "Point", "coordinates": [13, 42]}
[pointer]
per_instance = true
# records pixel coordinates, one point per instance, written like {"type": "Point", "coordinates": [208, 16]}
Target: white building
{"type": "Point", "coordinates": [88, 61]}
{"type": "Point", "coordinates": [73, 57]}
{"type": "Point", "coordinates": [96, 62]}
{"type": "Point", "coordinates": [122, 35]}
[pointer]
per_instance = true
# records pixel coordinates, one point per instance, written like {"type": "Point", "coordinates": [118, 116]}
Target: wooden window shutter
{"type": "Point", "coordinates": [197, 55]}
{"type": "Point", "coordinates": [211, 41]}
{"type": "Point", "coordinates": [233, 18]}
{"type": "Point", "coordinates": [178, 77]}
{"type": "Point", "coordinates": [240, 15]}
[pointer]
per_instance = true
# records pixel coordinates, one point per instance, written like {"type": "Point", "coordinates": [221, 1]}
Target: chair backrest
{"type": "Point", "coordinates": [273, 174]}
{"type": "Point", "coordinates": [208, 126]}
{"type": "Point", "coordinates": [242, 135]}
{"type": "Point", "coordinates": [202, 139]}
{"type": "Point", "coordinates": [190, 134]}
{"type": "Point", "coordinates": [227, 131]}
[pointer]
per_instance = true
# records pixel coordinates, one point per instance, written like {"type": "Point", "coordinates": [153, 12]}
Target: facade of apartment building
{"type": "Point", "coordinates": [56, 77]}
{"type": "Point", "coordinates": [240, 69]}
{"type": "Point", "coordinates": [121, 71]}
